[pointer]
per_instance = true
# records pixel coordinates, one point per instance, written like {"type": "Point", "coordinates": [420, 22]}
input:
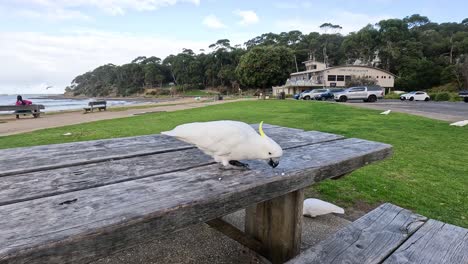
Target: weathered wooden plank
{"type": "Point", "coordinates": [13, 161]}
{"type": "Point", "coordinates": [370, 239]}
{"type": "Point", "coordinates": [18, 160]}
{"type": "Point", "coordinates": [235, 234]}
{"type": "Point", "coordinates": [435, 242]}
{"type": "Point", "coordinates": [277, 223]}
{"type": "Point", "coordinates": [33, 185]}
{"type": "Point", "coordinates": [76, 227]}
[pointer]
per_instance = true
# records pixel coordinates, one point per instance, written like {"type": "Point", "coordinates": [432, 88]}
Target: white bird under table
{"type": "Point", "coordinates": [76, 202]}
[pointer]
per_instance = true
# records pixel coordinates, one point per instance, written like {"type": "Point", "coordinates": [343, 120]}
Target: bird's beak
{"type": "Point", "coordinates": [273, 163]}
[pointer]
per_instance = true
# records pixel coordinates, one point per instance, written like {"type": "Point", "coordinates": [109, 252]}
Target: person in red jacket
{"type": "Point", "coordinates": [20, 101]}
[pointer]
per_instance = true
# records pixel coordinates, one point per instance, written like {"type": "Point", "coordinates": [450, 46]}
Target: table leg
{"type": "Point", "coordinates": [277, 224]}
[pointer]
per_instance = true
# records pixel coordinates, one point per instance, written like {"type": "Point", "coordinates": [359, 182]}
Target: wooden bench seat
{"type": "Point", "coordinates": [33, 109]}
{"type": "Point", "coordinates": [390, 234]}
{"type": "Point", "coordinates": [100, 105]}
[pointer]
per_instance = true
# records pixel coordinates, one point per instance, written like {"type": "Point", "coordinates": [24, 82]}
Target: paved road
{"type": "Point", "coordinates": [447, 111]}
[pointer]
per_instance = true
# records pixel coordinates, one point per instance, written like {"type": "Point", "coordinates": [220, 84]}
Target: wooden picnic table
{"type": "Point", "coordinates": [76, 202]}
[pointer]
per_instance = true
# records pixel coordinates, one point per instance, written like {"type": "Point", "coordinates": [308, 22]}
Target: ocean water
{"type": "Point", "coordinates": [52, 105]}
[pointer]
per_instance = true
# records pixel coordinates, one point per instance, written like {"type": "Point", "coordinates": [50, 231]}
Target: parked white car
{"type": "Point", "coordinates": [415, 96]}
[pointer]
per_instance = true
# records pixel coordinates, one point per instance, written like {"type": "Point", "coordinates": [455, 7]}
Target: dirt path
{"type": "Point", "coordinates": [27, 124]}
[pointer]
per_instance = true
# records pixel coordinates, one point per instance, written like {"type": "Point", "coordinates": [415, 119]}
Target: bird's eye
{"type": "Point", "coordinates": [269, 153]}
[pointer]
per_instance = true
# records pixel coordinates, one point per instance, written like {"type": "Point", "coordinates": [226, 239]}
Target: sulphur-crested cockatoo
{"type": "Point", "coordinates": [386, 112]}
{"type": "Point", "coordinates": [460, 123]}
{"type": "Point", "coordinates": [229, 141]}
{"type": "Point", "coordinates": [314, 207]}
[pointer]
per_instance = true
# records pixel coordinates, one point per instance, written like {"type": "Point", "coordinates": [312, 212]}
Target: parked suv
{"type": "Point", "coordinates": [329, 94]}
{"type": "Point", "coordinates": [365, 93]}
{"type": "Point", "coordinates": [464, 95]}
{"type": "Point", "coordinates": [311, 95]}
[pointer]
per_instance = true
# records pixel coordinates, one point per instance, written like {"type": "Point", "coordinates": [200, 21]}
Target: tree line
{"type": "Point", "coordinates": [423, 54]}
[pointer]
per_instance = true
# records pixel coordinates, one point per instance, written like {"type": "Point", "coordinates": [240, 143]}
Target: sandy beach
{"type": "Point", "coordinates": [9, 125]}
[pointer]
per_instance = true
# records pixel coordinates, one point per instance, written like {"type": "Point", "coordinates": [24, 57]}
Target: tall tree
{"type": "Point", "coordinates": [263, 67]}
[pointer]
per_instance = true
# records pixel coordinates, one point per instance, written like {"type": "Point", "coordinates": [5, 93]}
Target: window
{"type": "Point", "coordinates": [357, 89]}
{"type": "Point", "coordinates": [377, 77]}
{"type": "Point", "coordinates": [389, 77]}
{"type": "Point", "coordinates": [340, 78]}
{"type": "Point", "coordinates": [348, 77]}
{"type": "Point", "coordinates": [332, 78]}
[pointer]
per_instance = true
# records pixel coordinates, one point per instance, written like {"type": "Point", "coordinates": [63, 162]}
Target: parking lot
{"type": "Point", "coordinates": [447, 111]}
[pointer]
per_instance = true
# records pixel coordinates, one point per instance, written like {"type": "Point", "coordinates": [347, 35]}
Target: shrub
{"type": "Point", "coordinates": [158, 91]}
{"type": "Point", "coordinates": [442, 97]}
{"type": "Point", "coordinates": [392, 96]}
{"type": "Point", "coordinates": [449, 87]}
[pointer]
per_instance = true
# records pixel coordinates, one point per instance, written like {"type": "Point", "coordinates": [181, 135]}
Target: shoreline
{"type": "Point", "coordinates": [9, 125]}
{"type": "Point", "coordinates": [129, 99]}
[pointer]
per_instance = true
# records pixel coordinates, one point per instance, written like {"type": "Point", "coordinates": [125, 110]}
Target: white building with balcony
{"type": "Point", "coordinates": [318, 75]}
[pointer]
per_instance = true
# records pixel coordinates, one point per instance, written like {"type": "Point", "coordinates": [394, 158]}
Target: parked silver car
{"type": "Point", "coordinates": [365, 93]}
{"type": "Point", "coordinates": [311, 95]}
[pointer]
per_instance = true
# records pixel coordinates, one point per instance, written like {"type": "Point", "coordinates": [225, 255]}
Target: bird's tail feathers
{"type": "Point", "coordinates": [168, 133]}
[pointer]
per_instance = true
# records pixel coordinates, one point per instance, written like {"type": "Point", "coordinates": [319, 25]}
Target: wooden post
{"type": "Point", "coordinates": [277, 224]}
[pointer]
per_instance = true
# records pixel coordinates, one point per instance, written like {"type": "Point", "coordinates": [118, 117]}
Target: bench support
{"type": "Point", "coordinates": [277, 224]}
{"type": "Point", "coordinates": [235, 234]}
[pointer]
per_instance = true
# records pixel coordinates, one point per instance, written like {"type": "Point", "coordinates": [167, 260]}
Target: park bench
{"type": "Point", "coordinates": [33, 109]}
{"type": "Point", "coordinates": [389, 235]}
{"type": "Point", "coordinates": [77, 202]}
{"type": "Point", "coordinates": [100, 105]}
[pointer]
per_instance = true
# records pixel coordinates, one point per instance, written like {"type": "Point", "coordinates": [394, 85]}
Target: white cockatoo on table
{"type": "Point", "coordinates": [228, 142]}
{"type": "Point", "coordinates": [314, 207]}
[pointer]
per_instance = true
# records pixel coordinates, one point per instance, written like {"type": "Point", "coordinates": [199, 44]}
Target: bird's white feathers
{"type": "Point", "coordinates": [314, 207]}
{"type": "Point", "coordinates": [386, 112]}
{"type": "Point", "coordinates": [460, 123]}
{"type": "Point", "coordinates": [227, 140]}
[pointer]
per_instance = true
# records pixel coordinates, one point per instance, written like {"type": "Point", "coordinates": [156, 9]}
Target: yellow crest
{"type": "Point", "coordinates": [260, 129]}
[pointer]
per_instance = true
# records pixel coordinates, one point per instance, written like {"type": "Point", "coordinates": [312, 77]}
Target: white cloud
{"type": "Point", "coordinates": [212, 21]}
{"type": "Point", "coordinates": [54, 14]}
{"type": "Point", "coordinates": [248, 17]}
{"type": "Point", "coordinates": [349, 21]}
{"type": "Point", "coordinates": [113, 7]}
{"type": "Point", "coordinates": [35, 59]}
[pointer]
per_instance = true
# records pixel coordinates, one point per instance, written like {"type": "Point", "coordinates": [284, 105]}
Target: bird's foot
{"type": "Point", "coordinates": [235, 165]}
{"type": "Point", "coordinates": [239, 164]}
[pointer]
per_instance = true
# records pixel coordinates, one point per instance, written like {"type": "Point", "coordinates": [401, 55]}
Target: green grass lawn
{"type": "Point", "coordinates": [428, 172]}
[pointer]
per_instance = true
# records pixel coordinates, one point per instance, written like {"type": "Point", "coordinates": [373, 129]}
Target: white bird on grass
{"type": "Point", "coordinates": [460, 123]}
{"type": "Point", "coordinates": [229, 141]}
{"type": "Point", "coordinates": [314, 207]}
{"type": "Point", "coordinates": [386, 112]}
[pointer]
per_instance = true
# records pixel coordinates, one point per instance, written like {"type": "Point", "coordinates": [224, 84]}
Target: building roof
{"type": "Point", "coordinates": [344, 66]}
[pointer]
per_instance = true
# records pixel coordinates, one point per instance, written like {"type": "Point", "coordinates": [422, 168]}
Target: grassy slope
{"type": "Point", "coordinates": [428, 172]}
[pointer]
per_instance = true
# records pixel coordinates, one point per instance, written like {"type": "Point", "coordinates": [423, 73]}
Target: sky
{"type": "Point", "coordinates": [46, 43]}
